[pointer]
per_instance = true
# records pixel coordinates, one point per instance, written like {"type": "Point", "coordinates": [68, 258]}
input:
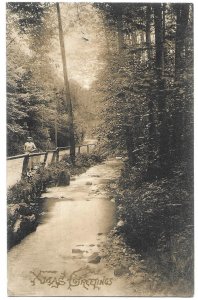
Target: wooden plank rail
{"type": "Point", "coordinates": [36, 154]}
{"type": "Point", "coordinates": [17, 156]}
{"type": "Point", "coordinates": [64, 148]}
{"type": "Point", "coordinates": [56, 156]}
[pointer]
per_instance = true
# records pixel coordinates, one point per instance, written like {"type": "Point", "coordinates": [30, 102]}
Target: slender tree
{"type": "Point", "coordinates": [182, 16]}
{"type": "Point", "coordinates": [68, 101]}
{"type": "Point", "coordinates": [161, 93]}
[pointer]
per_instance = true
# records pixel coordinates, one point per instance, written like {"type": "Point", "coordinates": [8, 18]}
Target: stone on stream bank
{"type": "Point", "coordinates": [94, 258]}
{"type": "Point", "coordinates": [63, 178]}
{"type": "Point", "coordinates": [77, 251]}
{"type": "Point", "coordinates": [88, 183]}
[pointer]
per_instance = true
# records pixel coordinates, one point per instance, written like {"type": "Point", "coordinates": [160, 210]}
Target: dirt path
{"type": "Point", "coordinates": [71, 237]}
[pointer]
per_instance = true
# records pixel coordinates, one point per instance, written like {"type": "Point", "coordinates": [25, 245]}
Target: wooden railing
{"type": "Point", "coordinates": [18, 168]}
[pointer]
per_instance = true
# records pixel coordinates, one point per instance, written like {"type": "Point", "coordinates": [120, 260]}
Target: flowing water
{"type": "Point", "coordinates": [54, 260]}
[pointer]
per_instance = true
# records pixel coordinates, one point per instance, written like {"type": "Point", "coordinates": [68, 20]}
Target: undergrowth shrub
{"type": "Point", "coordinates": [158, 217]}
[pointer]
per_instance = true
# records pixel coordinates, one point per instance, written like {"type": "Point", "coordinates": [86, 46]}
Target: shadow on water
{"type": "Point", "coordinates": [46, 207]}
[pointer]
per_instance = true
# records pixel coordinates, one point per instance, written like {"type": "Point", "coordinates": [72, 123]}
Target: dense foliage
{"type": "Point", "coordinates": [35, 89]}
{"type": "Point", "coordinates": [147, 93]}
{"type": "Point", "coordinates": [149, 98]}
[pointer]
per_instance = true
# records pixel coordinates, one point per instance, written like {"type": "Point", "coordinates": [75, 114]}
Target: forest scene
{"type": "Point", "coordinates": [118, 76]}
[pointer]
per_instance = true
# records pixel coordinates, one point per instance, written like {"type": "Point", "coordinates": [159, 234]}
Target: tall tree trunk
{"type": "Point", "coordinates": [148, 31]}
{"type": "Point", "coordinates": [129, 139]}
{"type": "Point", "coordinates": [159, 40]}
{"type": "Point", "coordinates": [160, 94]}
{"type": "Point", "coordinates": [118, 12]}
{"type": "Point", "coordinates": [151, 125]}
{"type": "Point", "coordinates": [108, 51]}
{"type": "Point", "coordinates": [130, 144]}
{"type": "Point", "coordinates": [67, 98]}
{"type": "Point", "coordinates": [182, 15]}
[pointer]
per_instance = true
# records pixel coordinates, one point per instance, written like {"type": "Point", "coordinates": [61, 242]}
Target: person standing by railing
{"type": "Point", "coordinates": [30, 147]}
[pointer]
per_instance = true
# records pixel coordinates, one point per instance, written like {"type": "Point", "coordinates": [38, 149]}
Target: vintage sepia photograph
{"type": "Point", "coordinates": [100, 160]}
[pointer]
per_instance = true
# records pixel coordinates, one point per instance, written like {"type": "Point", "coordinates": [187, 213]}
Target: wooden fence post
{"type": "Point", "coordinates": [79, 149]}
{"type": "Point", "coordinates": [45, 159]}
{"type": "Point", "coordinates": [88, 149]}
{"type": "Point", "coordinates": [25, 166]}
{"type": "Point", "coordinates": [57, 155]}
{"type": "Point", "coordinates": [53, 157]}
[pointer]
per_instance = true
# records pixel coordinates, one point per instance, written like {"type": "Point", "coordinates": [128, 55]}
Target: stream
{"type": "Point", "coordinates": [63, 257]}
